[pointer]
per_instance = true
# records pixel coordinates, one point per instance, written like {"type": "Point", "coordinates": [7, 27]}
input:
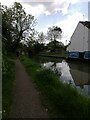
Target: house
{"type": "Point", "coordinates": [80, 41]}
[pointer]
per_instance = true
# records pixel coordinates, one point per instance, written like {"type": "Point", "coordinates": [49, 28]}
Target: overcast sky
{"type": "Point", "coordinates": [64, 13]}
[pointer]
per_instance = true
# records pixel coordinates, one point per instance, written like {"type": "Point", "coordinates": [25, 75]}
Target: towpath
{"type": "Point", "coordinates": [26, 102]}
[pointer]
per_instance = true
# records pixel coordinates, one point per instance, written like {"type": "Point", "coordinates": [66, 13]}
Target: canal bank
{"type": "Point", "coordinates": [60, 99]}
{"type": "Point", "coordinates": [53, 56]}
{"type": "Point", "coordinates": [66, 57]}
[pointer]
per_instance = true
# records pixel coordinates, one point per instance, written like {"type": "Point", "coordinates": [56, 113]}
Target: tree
{"type": "Point", "coordinates": [41, 37]}
{"type": "Point", "coordinates": [6, 29]}
{"type": "Point", "coordinates": [18, 23]}
{"type": "Point", "coordinates": [53, 34]}
{"type": "Point", "coordinates": [22, 22]}
{"type": "Point", "coordinates": [51, 46]}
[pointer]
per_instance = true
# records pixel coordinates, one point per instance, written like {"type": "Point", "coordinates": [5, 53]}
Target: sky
{"type": "Point", "coordinates": [63, 13]}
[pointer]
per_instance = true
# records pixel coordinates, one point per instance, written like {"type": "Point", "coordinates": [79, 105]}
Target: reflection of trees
{"type": "Point", "coordinates": [54, 68]}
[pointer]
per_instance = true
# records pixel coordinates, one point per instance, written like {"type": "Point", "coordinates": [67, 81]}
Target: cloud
{"type": "Point", "coordinates": [63, 5]}
{"type": "Point", "coordinates": [49, 6]}
{"type": "Point", "coordinates": [72, 1]}
{"type": "Point", "coordinates": [45, 6]}
{"type": "Point", "coordinates": [44, 30]}
{"type": "Point", "coordinates": [36, 10]}
{"type": "Point", "coordinates": [8, 3]}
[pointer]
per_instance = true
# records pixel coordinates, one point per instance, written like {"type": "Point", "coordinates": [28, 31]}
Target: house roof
{"type": "Point", "coordinates": [86, 23]}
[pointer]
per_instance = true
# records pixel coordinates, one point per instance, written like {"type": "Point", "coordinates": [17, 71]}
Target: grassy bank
{"type": "Point", "coordinates": [61, 100]}
{"type": "Point", "coordinates": [8, 75]}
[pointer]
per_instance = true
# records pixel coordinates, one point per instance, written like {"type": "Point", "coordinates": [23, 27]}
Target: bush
{"type": "Point", "coordinates": [8, 74]}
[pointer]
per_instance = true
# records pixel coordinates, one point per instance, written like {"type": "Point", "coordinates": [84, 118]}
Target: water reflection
{"type": "Point", "coordinates": [62, 69]}
{"type": "Point", "coordinates": [73, 73]}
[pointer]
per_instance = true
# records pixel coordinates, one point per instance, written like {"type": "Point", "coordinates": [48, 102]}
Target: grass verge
{"type": "Point", "coordinates": [61, 100]}
{"type": "Point", "coordinates": [8, 75]}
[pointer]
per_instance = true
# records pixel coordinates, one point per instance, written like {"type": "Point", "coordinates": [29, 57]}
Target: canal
{"type": "Point", "coordinates": [72, 72]}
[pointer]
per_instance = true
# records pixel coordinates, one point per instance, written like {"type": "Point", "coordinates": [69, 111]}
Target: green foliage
{"type": "Point", "coordinates": [15, 25]}
{"type": "Point", "coordinates": [35, 47]}
{"type": "Point", "coordinates": [56, 47]}
{"type": "Point", "coordinates": [61, 100]}
{"type": "Point", "coordinates": [53, 34]}
{"type": "Point", "coordinates": [8, 75]}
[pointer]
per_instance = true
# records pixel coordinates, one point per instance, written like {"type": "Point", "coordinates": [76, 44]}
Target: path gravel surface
{"type": "Point", "coordinates": [26, 102]}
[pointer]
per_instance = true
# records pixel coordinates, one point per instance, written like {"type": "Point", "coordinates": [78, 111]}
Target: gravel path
{"type": "Point", "coordinates": [26, 103]}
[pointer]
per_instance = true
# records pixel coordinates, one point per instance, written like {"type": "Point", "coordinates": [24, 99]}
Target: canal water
{"type": "Point", "coordinates": [72, 72]}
